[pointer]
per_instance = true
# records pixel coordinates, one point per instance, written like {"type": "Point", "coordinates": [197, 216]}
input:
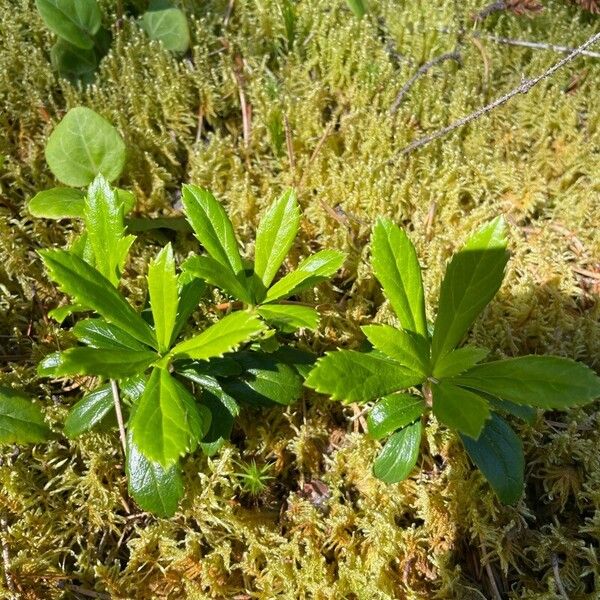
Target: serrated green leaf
{"type": "Point", "coordinates": [213, 272]}
{"type": "Point", "coordinates": [190, 290]}
{"type": "Point", "coordinates": [97, 333]}
{"type": "Point", "coordinates": [472, 279]}
{"type": "Point", "coordinates": [84, 145]}
{"type": "Point", "coordinates": [521, 411]}
{"type": "Point", "coordinates": [457, 361]}
{"type": "Point", "coordinates": [60, 313]}
{"type": "Point", "coordinates": [89, 288]}
{"type": "Point", "coordinates": [275, 236]}
{"type": "Point", "coordinates": [111, 363]}
{"type": "Point", "coordinates": [154, 488]}
{"type": "Point", "coordinates": [459, 408]}
{"type": "Point", "coordinates": [310, 271]}
{"type": "Point", "coordinates": [223, 409]}
{"type": "Point", "coordinates": [21, 421]}
{"type": "Point", "coordinates": [399, 455]}
{"type": "Point", "coordinates": [396, 266]}
{"type": "Point", "coordinates": [164, 299]}
{"type": "Point", "coordinates": [394, 412]}
{"type": "Point", "coordinates": [168, 26]}
{"type": "Point", "coordinates": [353, 376]}
{"type": "Point", "coordinates": [167, 422]}
{"type": "Point", "coordinates": [288, 317]}
{"type": "Point", "coordinates": [105, 226]}
{"type": "Point", "coordinates": [76, 21]}
{"type": "Point", "coordinates": [224, 336]}
{"type": "Point", "coordinates": [264, 380]}
{"type": "Point", "coordinates": [301, 360]}
{"type": "Point", "coordinates": [542, 381]}
{"type": "Point", "coordinates": [57, 203]}
{"type": "Point", "coordinates": [407, 347]}
{"type": "Point", "coordinates": [212, 227]}
{"type": "Point", "coordinates": [89, 411]}
{"type": "Point", "coordinates": [498, 454]}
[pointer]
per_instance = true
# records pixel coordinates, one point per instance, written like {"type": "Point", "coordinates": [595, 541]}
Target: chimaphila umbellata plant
{"type": "Point", "coordinates": [160, 420]}
{"type": "Point", "coordinates": [451, 381]}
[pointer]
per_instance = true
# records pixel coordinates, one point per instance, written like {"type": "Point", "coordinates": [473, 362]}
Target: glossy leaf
{"type": "Point", "coordinates": [105, 227]}
{"type": "Point", "coordinates": [190, 290]}
{"type": "Point", "coordinates": [410, 349]}
{"type": "Point", "coordinates": [498, 454]}
{"type": "Point", "coordinates": [458, 361]}
{"type": "Point", "coordinates": [396, 266]}
{"type": "Point", "coordinates": [224, 336]}
{"type": "Point", "coordinates": [223, 409]}
{"type": "Point", "coordinates": [76, 21]}
{"type": "Point", "coordinates": [394, 412]}
{"type": "Point", "coordinates": [212, 227]}
{"type": "Point", "coordinates": [167, 422]}
{"type": "Point", "coordinates": [275, 236]}
{"type": "Point", "coordinates": [353, 376]}
{"type": "Point", "coordinates": [21, 421]}
{"type": "Point", "coordinates": [472, 279]}
{"type": "Point", "coordinates": [310, 271]}
{"type": "Point", "coordinates": [288, 317]}
{"type": "Point", "coordinates": [57, 203]}
{"type": "Point", "coordinates": [399, 455]}
{"type": "Point", "coordinates": [169, 26]}
{"type": "Point", "coordinates": [164, 300]}
{"type": "Point", "coordinates": [89, 288]}
{"type": "Point", "coordinates": [521, 411]}
{"type": "Point", "coordinates": [212, 271]}
{"type": "Point", "coordinates": [84, 145]}
{"type": "Point", "coordinates": [459, 409]}
{"type": "Point", "coordinates": [542, 381]}
{"type": "Point", "coordinates": [110, 363]}
{"type": "Point", "coordinates": [97, 333]}
{"type": "Point", "coordinates": [154, 488]}
{"type": "Point", "coordinates": [89, 411]}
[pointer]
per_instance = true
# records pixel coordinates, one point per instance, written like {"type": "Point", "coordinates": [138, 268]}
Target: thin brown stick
{"type": "Point", "coordinates": [119, 413]}
{"type": "Point", "coordinates": [85, 592]}
{"type": "Point", "coordinates": [454, 55]}
{"type": "Point", "coordinates": [10, 584]}
{"type": "Point", "coordinates": [557, 579]}
{"type": "Point", "coordinates": [489, 572]}
{"type": "Point", "coordinates": [525, 87]}
{"type": "Point", "coordinates": [537, 45]}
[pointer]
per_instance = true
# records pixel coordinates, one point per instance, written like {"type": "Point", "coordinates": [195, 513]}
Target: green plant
{"type": "Point", "coordinates": [252, 282]}
{"type": "Point", "coordinates": [462, 394]}
{"type": "Point", "coordinates": [83, 42]}
{"type": "Point", "coordinates": [254, 479]}
{"type": "Point", "coordinates": [21, 421]}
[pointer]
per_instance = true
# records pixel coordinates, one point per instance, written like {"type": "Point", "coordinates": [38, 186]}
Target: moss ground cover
{"type": "Point", "coordinates": [320, 92]}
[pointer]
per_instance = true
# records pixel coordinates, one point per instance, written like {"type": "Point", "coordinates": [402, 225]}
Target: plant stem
{"type": "Point", "coordinates": [10, 584]}
{"type": "Point", "coordinates": [119, 413]}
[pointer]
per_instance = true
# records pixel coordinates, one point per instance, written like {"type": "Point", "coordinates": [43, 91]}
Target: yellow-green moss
{"type": "Point", "coordinates": [69, 519]}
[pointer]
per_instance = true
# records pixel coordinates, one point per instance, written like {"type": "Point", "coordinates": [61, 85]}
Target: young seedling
{"type": "Point", "coordinates": [254, 480]}
{"type": "Point", "coordinates": [141, 358]}
{"type": "Point", "coordinates": [447, 379]}
{"type": "Point", "coordinates": [252, 283]}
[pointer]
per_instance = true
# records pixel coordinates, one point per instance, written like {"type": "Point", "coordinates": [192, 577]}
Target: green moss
{"type": "Point", "coordinates": [69, 520]}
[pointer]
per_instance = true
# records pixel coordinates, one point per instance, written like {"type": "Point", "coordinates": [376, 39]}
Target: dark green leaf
{"type": "Point", "coordinates": [190, 290]}
{"type": "Point", "coordinates": [169, 26]}
{"type": "Point", "coordinates": [498, 454]}
{"type": "Point", "coordinates": [396, 266]}
{"type": "Point", "coordinates": [167, 422]}
{"type": "Point", "coordinates": [89, 411]}
{"type": "Point", "coordinates": [72, 63]}
{"type": "Point", "coordinates": [359, 376]}
{"type": "Point", "coordinates": [472, 279]}
{"type": "Point", "coordinates": [76, 21]}
{"type": "Point", "coordinates": [84, 145]}
{"type": "Point", "coordinates": [458, 361]}
{"type": "Point", "coordinates": [288, 317]}
{"type": "Point", "coordinates": [154, 488]}
{"type": "Point", "coordinates": [521, 411]}
{"type": "Point", "coordinates": [21, 421]}
{"type": "Point", "coordinates": [310, 271]}
{"type": "Point", "coordinates": [542, 381]}
{"type": "Point", "coordinates": [87, 287]}
{"type": "Point", "coordinates": [164, 299]}
{"type": "Point", "coordinates": [410, 349]}
{"type": "Point", "coordinates": [97, 333]}
{"type": "Point", "coordinates": [275, 236]}
{"type": "Point", "coordinates": [459, 408]}
{"type": "Point", "coordinates": [301, 360]}
{"type": "Point", "coordinates": [399, 455]}
{"type": "Point", "coordinates": [212, 227]}
{"type": "Point", "coordinates": [394, 412]}
{"type": "Point", "coordinates": [223, 409]}
{"type": "Point", "coordinates": [58, 203]}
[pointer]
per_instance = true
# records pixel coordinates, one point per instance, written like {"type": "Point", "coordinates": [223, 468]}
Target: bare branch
{"type": "Point", "coordinates": [537, 45]}
{"type": "Point", "coordinates": [525, 86]}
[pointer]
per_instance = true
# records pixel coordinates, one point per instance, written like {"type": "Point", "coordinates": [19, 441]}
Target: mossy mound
{"type": "Point", "coordinates": [319, 96]}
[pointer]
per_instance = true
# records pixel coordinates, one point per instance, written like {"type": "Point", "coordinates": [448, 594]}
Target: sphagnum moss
{"type": "Point", "coordinates": [69, 521]}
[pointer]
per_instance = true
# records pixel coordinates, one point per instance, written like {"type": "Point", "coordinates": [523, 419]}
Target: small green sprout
{"type": "Point", "coordinates": [254, 479]}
